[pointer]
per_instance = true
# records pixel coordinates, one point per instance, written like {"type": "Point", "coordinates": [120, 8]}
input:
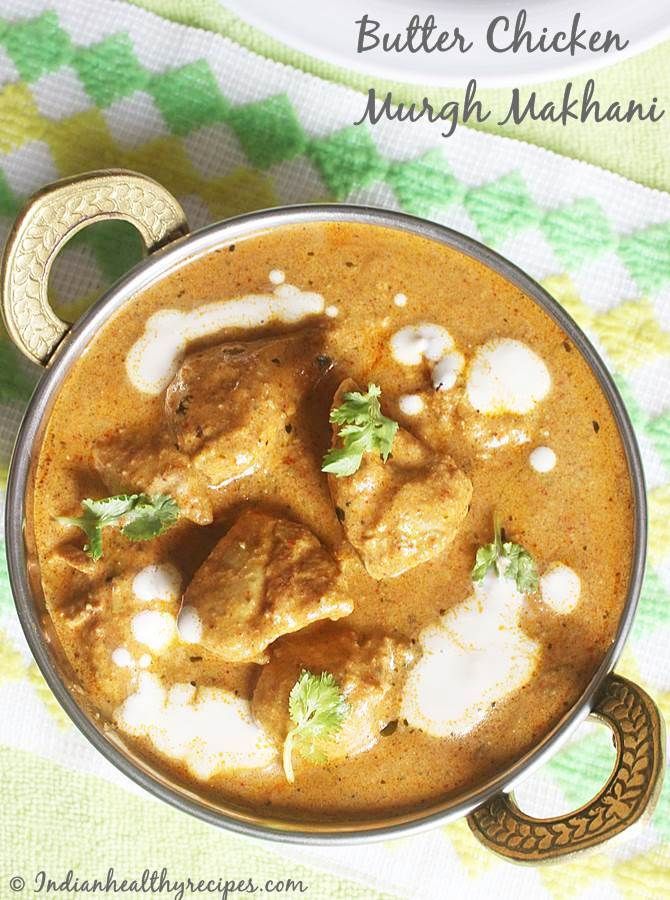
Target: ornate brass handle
{"type": "Point", "coordinates": [49, 219]}
{"type": "Point", "coordinates": [629, 794]}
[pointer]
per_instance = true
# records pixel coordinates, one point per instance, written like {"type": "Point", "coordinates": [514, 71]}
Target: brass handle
{"type": "Point", "coordinates": [48, 220]}
{"type": "Point", "coordinates": [629, 794]}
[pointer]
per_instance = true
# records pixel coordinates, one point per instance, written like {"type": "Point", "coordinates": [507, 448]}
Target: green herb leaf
{"type": "Point", "coordinates": [150, 517]}
{"type": "Point", "coordinates": [317, 709]}
{"type": "Point", "coordinates": [521, 568]}
{"type": "Point", "coordinates": [139, 516]}
{"type": "Point", "coordinates": [90, 525]}
{"type": "Point", "coordinates": [110, 509]}
{"type": "Point", "coordinates": [364, 430]}
{"type": "Point", "coordinates": [509, 561]}
{"type": "Point", "coordinates": [485, 558]}
{"type": "Point", "coordinates": [97, 515]}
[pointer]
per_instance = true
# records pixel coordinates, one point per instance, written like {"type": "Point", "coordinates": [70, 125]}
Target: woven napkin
{"type": "Point", "coordinates": [83, 86]}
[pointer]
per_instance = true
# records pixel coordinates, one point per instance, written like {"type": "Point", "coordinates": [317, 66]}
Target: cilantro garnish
{"type": "Point", "coordinates": [509, 560]}
{"type": "Point", "coordinates": [139, 516]}
{"type": "Point", "coordinates": [364, 430]}
{"type": "Point", "coordinates": [317, 709]}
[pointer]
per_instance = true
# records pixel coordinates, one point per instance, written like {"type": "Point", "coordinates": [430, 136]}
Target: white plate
{"type": "Point", "coordinates": [327, 30]}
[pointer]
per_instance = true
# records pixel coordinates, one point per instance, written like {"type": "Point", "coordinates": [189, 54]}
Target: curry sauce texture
{"type": "Point", "coordinates": [317, 644]}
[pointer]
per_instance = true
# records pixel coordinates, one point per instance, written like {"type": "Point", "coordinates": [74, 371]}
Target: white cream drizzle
{"type": "Point", "coordinates": [542, 459]}
{"type": "Point", "coordinates": [332, 311]}
{"type": "Point", "coordinates": [153, 628]}
{"type": "Point", "coordinates": [277, 276]}
{"type": "Point", "coordinates": [561, 588]}
{"type": "Point", "coordinates": [411, 404]}
{"type": "Point", "coordinates": [488, 443]}
{"type": "Point", "coordinates": [208, 728]}
{"type": "Point", "coordinates": [189, 625]}
{"type": "Point", "coordinates": [155, 357]}
{"type": "Point", "coordinates": [446, 370]}
{"type": "Point", "coordinates": [515, 437]}
{"type": "Point", "coordinates": [512, 437]}
{"type": "Point", "coordinates": [157, 582]}
{"type": "Point", "coordinates": [505, 375]}
{"type": "Point", "coordinates": [400, 300]}
{"type": "Point", "coordinates": [414, 343]}
{"type": "Point", "coordinates": [474, 656]}
{"type": "Point", "coordinates": [121, 657]}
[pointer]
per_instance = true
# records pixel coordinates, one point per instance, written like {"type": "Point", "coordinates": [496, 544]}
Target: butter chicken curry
{"type": "Point", "coordinates": [333, 522]}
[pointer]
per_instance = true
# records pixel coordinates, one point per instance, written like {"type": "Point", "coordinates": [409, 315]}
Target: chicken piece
{"type": "Point", "coordinates": [83, 605]}
{"type": "Point", "coordinates": [402, 512]}
{"type": "Point", "coordinates": [227, 405]}
{"type": "Point", "coordinates": [129, 464]}
{"type": "Point", "coordinates": [369, 671]}
{"type": "Point", "coordinates": [75, 558]}
{"type": "Point", "coordinates": [266, 577]}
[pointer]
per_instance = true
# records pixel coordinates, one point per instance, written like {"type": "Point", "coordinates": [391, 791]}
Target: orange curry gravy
{"type": "Point", "coordinates": [580, 513]}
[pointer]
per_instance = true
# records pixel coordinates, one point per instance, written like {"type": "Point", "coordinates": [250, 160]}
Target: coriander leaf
{"type": "Point", "coordinates": [317, 709]}
{"type": "Point", "coordinates": [150, 517]}
{"type": "Point", "coordinates": [488, 555]}
{"type": "Point", "coordinates": [364, 430]}
{"type": "Point", "coordinates": [90, 525]}
{"type": "Point", "coordinates": [343, 461]}
{"type": "Point", "coordinates": [97, 515]}
{"type": "Point", "coordinates": [485, 558]}
{"type": "Point", "coordinates": [521, 568]}
{"type": "Point", "coordinates": [110, 509]}
{"type": "Point", "coordinates": [509, 560]}
{"type": "Point", "coordinates": [139, 516]}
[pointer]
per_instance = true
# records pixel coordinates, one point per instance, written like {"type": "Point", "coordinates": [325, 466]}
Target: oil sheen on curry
{"type": "Point", "coordinates": [334, 522]}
